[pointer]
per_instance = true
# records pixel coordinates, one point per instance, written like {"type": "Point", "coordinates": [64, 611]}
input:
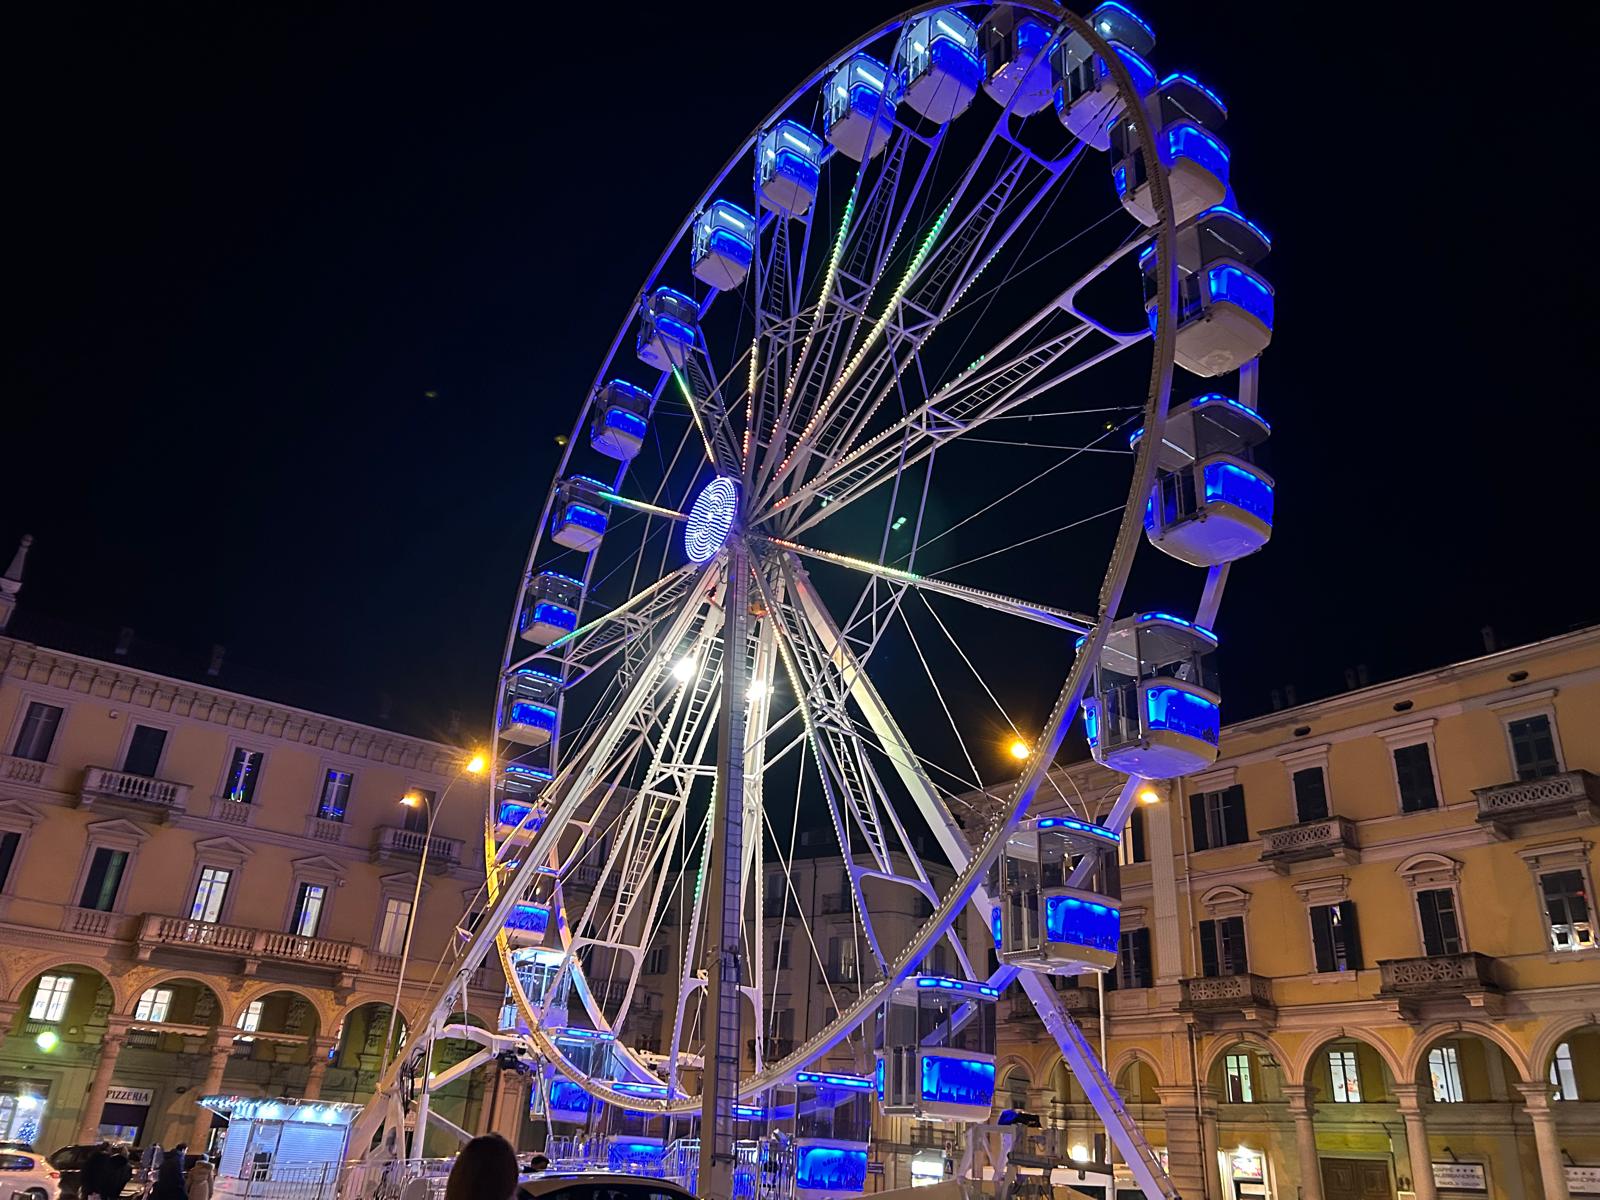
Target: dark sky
{"type": "Point", "coordinates": [246, 243]}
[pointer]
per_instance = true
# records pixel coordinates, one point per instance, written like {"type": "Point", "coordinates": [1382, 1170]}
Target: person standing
{"type": "Point", "coordinates": [94, 1178]}
{"type": "Point", "coordinates": [169, 1179]}
{"type": "Point", "coordinates": [149, 1164]}
{"type": "Point", "coordinates": [200, 1177]}
{"type": "Point", "coordinates": [118, 1171]}
{"type": "Point", "coordinates": [486, 1169]}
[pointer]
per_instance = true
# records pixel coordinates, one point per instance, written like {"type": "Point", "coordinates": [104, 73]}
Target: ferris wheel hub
{"type": "Point", "coordinates": [711, 518]}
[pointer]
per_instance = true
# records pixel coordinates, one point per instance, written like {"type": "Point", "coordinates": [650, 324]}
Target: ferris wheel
{"type": "Point", "coordinates": [854, 499]}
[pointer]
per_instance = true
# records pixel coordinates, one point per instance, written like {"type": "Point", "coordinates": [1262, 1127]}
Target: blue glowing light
{"type": "Point", "coordinates": [1031, 37]}
{"type": "Point", "coordinates": [1119, 176]}
{"type": "Point", "coordinates": [965, 986]}
{"type": "Point", "coordinates": [858, 1083]}
{"type": "Point", "coordinates": [1232, 484]}
{"type": "Point", "coordinates": [529, 918]}
{"type": "Point", "coordinates": [535, 716]}
{"type": "Point", "coordinates": [642, 1156]}
{"type": "Point", "coordinates": [512, 813]}
{"type": "Point", "coordinates": [964, 1081]}
{"type": "Point", "coordinates": [804, 143]}
{"type": "Point", "coordinates": [673, 330]}
{"type": "Point", "coordinates": [1180, 711]}
{"type": "Point", "coordinates": [1172, 620]}
{"type": "Point", "coordinates": [1091, 721]}
{"type": "Point", "coordinates": [1235, 285]}
{"type": "Point", "coordinates": [726, 244]}
{"type": "Point", "coordinates": [1185, 139]}
{"type": "Point", "coordinates": [568, 1097]}
{"type": "Point", "coordinates": [953, 59]}
{"type": "Point", "coordinates": [1218, 398]}
{"type": "Point", "coordinates": [520, 777]}
{"type": "Point", "coordinates": [1075, 922]}
{"type": "Point", "coordinates": [656, 1091]}
{"type": "Point", "coordinates": [1191, 81]}
{"type": "Point", "coordinates": [877, 1080]}
{"type": "Point", "coordinates": [749, 1112]}
{"type": "Point", "coordinates": [556, 575]}
{"type": "Point", "coordinates": [674, 303]}
{"type": "Point", "coordinates": [558, 615]}
{"type": "Point", "coordinates": [1099, 831]}
{"type": "Point", "coordinates": [711, 518]}
{"type": "Point", "coordinates": [579, 1034]}
{"type": "Point", "coordinates": [830, 1168]}
{"type": "Point", "coordinates": [1112, 6]}
{"type": "Point", "coordinates": [623, 421]}
{"type": "Point", "coordinates": [994, 925]}
{"type": "Point", "coordinates": [1142, 73]}
{"type": "Point", "coordinates": [583, 516]}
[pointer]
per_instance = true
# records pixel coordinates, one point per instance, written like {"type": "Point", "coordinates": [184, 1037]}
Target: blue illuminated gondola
{"type": "Point", "coordinates": [1087, 99]}
{"type": "Point", "coordinates": [668, 325]}
{"type": "Point", "coordinates": [529, 713]}
{"type": "Point", "coordinates": [724, 245]}
{"type": "Point", "coordinates": [550, 608]}
{"type": "Point", "coordinates": [1048, 920]}
{"type": "Point", "coordinates": [1019, 75]}
{"type": "Point", "coordinates": [1211, 503]}
{"type": "Point", "coordinates": [858, 114]}
{"type": "Point", "coordinates": [518, 796]}
{"type": "Point", "coordinates": [938, 64]}
{"type": "Point", "coordinates": [1154, 710]}
{"type": "Point", "coordinates": [579, 516]}
{"type": "Point", "coordinates": [1197, 161]}
{"type": "Point", "coordinates": [621, 416]}
{"type": "Point", "coordinates": [1225, 308]}
{"type": "Point", "coordinates": [832, 1130]}
{"type": "Point", "coordinates": [936, 1049]}
{"type": "Point", "coordinates": [788, 167]}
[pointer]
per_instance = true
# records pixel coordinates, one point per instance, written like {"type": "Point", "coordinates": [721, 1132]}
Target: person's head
{"type": "Point", "coordinates": [538, 1163]}
{"type": "Point", "coordinates": [486, 1169]}
{"type": "Point", "coordinates": [178, 1150]}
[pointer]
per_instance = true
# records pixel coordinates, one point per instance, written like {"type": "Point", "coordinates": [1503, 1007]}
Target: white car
{"type": "Point", "coordinates": [25, 1175]}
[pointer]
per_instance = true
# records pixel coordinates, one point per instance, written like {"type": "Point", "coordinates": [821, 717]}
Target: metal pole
{"type": "Point", "coordinates": [411, 925]}
{"type": "Point", "coordinates": [719, 1086]}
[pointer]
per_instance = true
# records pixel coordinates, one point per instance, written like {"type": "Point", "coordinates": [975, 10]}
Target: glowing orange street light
{"type": "Point", "coordinates": [476, 764]}
{"type": "Point", "coordinates": [1020, 749]}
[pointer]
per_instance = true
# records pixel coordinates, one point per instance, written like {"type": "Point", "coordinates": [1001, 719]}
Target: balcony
{"type": "Point", "coordinates": [1330, 838]}
{"type": "Point", "coordinates": [92, 922]}
{"type": "Point", "coordinates": [846, 974]}
{"type": "Point", "coordinates": [1229, 997]}
{"type": "Point", "coordinates": [1507, 806]}
{"type": "Point", "coordinates": [104, 787]}
{"type": "Point", "coordinates": [834, 903]}
{"type": "Point", "coordinates": [390, 844]}
{"type": "Point", "coordinates": [250, 946]}
{"type": "Point", "coordinates": [21, 770]}
{"type": "Point", "coordinates": [1082, 1002]}
{"type": "Point", "coordinates": [1412, 984]}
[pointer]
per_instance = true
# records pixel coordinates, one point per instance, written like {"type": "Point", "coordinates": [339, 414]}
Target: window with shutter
{"type": "Point", "coordinates": [1310, 794]}
{"type": "Point", "coordinates": [1441, 930]}
{"type": "Point", "coordinates": [1413, 772]}
{"type": "Point", "coordinates": [1218, 818]}
{"type": "Point", "coordinates": [1222, 948]}
{"type": "Point", "coordinates": [1333, 936]}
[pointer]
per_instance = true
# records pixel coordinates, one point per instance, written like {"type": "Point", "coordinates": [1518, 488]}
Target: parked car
{"type": "Point", "coordinates": [70, 1160]}
{"type": "Point", "coordinates": [597, 1185]}
{"type": "Point", "coordinates": [27, 1176]}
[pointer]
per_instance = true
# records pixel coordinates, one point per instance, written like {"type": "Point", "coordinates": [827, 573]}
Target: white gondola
{"type": "Point", "coordinates": [938, 64]}
{"type": "Point", "coordinates": [1018, 71]}
{"type": "Point", "coordinates": [1154, 710]}
{"type": "Point", "coordinates": [621, 418]}
{"type": "Point", "coordinates": [538, 970]}
{"type": "Point", "coordinates": [529, 718]}
{"type": "Point", "coordinates": [930, 1065]}
{"type": "Point", "coordinates": [528, 923]}
{"type": "Point", "coordinates": [1087, 99]}
{"type": "Point", "coordinates": [668, 325]}
{"type": "Point", "coordinates": [1211, 503]}
{"type": "Point", "coordinates": [1225, 307]}
{"type": "Point", "coordinates": [579, 517]}
{"type": "Point", "coordinates": [518, 798]}
{"type": "Point", "coordinates": [724, 245]}
{"type": "Point", "coordinates": [550, 608]}
{"type": "Point", "coordinates": [1187, 115]}
{"type": "Point", "coordinates": [788, 167]}
{"type": "Point", "coordinates": [1046, 923]}
{"type": "Point", "coordinates": [858, 114]}
{"type": "Point", "coordinates": [832, 1134]}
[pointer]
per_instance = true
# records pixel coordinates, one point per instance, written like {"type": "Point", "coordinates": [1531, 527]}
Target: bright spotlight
{"type": "Point", "coordinates": [47, 1040]}
{"type": "Point", "coordinates": [1150, 794]}
{"type": "Point", "coordinates": [476, 764]}
{"type": "Point", "coordinates": [683, 670]}
{"type": "Point", "coordinates": [758, 689]}
{"type": "Point", "coordinates": [1019, 749]}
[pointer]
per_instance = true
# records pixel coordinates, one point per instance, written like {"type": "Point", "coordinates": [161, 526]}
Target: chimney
{"type": "Point", "coordinates": [1361, 674]}
{"type": "Point", "coordinates": [124, 642]}
{"type": "Point", "coordinates": [1489, 645]}
{"type": "Point", "coordinates": [1288, 695]}
{"type": "Point", "coordinates": [1349, 679]}
{"type": "Point", "coordinates": [1276, 699]}
{"type": "Point", "coordinates": [11, 581]}
{"type": "Point", "coordinates": [214, 667]}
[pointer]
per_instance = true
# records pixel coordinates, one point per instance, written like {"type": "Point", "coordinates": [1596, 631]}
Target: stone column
{"type": "Point", "coordinates": [318, 1069]}
{"type": "Point", "coordinates": [511, 1107]}
{"type": "Point", "coordinates": [95, 1099]}
{"type": "Point", "coordinates": [220, 1050]}
{"type": "Point", "coordinates": [1192, 1173]}
{"type": "Point", "coordinates": [1553, 1172]}
{"type": "Point", "coordinates": [1409, 1097]}
{"type": "Point", "coordinates": [1302, 1109]}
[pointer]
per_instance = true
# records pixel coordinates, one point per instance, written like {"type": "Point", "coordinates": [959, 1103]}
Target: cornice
{"type": "Point", "coordinates": [26, 662]}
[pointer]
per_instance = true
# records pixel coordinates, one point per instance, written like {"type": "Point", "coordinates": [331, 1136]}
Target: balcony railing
{"type": "Point", "coordinates": [321, 829]}
{"type": "Point", "coordinates": [834, 903]}
{"type": "Point", "coordinates": [1439, 976]}
{"type": "Point", "coordinates": [1249, 995]}
{"type": "Point", "coordinates": [91, 922]}
{"type": "Point", "coordinates": [1331, 837]}
{"type": "Point", "coordinates": [101, 784]}
{"type": "Point", "coordinates": [391, 842]}
{"type": "Point", "coordinates": [1507, 805]}
{"type": "Point", "coordinates": [21, 770]}
{"type": "Point", "coordinates": [252, 945]}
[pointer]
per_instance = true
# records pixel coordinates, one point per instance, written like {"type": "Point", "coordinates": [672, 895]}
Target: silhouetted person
{"type": "Point", "coordinates": [486, 1169]}
{"type": "Point", "coordinates": [169, 1179]}
{"type": "Point", "coordinates": [96, 1174]}
{"type": "Point", "coordinates": [118, 1171]}
{"type": "Point", "coordinates": [539, 1162]}
{"type": "Point", "coordinates": [200, 1177]}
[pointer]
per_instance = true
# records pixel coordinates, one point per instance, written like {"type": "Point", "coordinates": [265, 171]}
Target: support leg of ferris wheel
{"type": "Point", "coordinates": [1075, 1048]}
{"type": "Point", "coordinates": [719, 1087]}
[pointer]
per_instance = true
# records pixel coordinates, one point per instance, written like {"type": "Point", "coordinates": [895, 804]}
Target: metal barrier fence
{"type": "Point", "coordinates": [387, 1180]}
{"type": "Point", "coordinates": [281, 1183]}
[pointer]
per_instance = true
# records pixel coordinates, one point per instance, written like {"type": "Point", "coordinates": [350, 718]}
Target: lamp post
{"type": "Point", "coordinates": [473, 766]}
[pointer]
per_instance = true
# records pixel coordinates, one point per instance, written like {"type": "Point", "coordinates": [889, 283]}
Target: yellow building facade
{"type": "Point", "coordinates": [203, 892]}
{"type": "Point", "coordinates": [1359, 953]}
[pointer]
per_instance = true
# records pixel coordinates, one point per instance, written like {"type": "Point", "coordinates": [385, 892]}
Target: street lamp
{"type": "Point", "coordinates": [1019, 749]}
{"type": "Point", "coordinates": [473, 766]}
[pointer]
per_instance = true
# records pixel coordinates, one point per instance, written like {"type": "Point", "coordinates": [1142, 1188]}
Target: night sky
{"type": "Point", "coordinates": [301, 301]}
